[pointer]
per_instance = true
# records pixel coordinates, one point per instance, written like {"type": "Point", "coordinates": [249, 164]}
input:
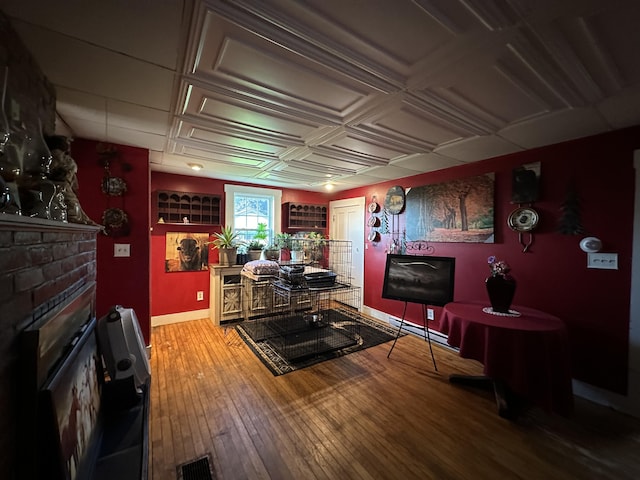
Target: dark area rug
{"type": "Point", "coordinates": [286, 343]}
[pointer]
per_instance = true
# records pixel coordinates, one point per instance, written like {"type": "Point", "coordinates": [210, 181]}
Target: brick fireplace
{"type": "Point", "coordinates": [43, 264]}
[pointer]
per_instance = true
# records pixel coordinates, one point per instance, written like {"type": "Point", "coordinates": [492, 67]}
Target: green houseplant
{"type": "Point", "coordinates": [271, 252]}
{"type": "Point", "coordinates": [227, 241]}
{"type": "Point", "coordinates": [314, 248]}
{"type": "Point", "coordinates": [255, 246]}
{"type": "Point", "coordinates": [283, 244]}
{"type": "Point", "coordinates": [297, 250]}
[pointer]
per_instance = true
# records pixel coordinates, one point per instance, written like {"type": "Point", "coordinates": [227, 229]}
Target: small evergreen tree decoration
{"type": "Point", "coordinates": [570, 222]}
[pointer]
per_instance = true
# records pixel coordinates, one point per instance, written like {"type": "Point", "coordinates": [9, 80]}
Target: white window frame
{"type": "Point", "coordinates": [230, 192]}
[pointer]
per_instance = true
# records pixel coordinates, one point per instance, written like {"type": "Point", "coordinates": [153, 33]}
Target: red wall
{"type": "Point", "coordinates": [552, 275]}
{"type": "Point", "coordinates": [175, 292]}
{"type": "Point", "coordinates": [120, 280]}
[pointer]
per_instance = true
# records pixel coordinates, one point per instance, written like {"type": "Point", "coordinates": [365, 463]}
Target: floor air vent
{"type": "Point", "coordinates": [199, 469]}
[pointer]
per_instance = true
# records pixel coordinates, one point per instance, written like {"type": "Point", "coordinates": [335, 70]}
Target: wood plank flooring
{"type": "Point", "coordinates": [361, 417]}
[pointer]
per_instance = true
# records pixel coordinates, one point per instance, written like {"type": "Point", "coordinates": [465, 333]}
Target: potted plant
{"type": "Point", "coordinates": [227, 241]}
{"type": "Point", "coordinates": [315, 246]}
{"type": "Point", "coordinates": [283, 242]}
{"type": "Point", "coordinates": [255, 246]}
{"type": "Point", "coordinates": [297, 250]}
{"type": "Point", "coordinates": [271, 252]}
{"type": "Point", "coordinates": [254, 249]}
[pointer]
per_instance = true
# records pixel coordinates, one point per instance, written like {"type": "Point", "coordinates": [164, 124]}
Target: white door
{"type": "Point", "coordinates": [347, 223]}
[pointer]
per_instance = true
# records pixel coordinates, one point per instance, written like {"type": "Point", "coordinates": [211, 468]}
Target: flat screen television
{"type": "Point", "coordinates": [421, 279]}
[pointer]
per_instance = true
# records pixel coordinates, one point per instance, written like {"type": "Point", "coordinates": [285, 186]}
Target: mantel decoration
{"type": "Point", "coordinates": [501, 286]}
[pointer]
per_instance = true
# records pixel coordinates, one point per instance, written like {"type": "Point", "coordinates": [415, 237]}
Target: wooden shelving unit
{"type": "Point", "coordinates": [198, 208]}
{"type": "Point", "coordinates": [304, 216]}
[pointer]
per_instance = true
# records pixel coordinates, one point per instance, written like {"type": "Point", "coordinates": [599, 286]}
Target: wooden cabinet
{"type": "Point", "coordinates": [199, 208]}
{"type": "Point", "coordinates": [237, 295]}
{"type": "Point", "coordinates": [226, 293]}
{"type": "Point", "coordinates": [304, 216]}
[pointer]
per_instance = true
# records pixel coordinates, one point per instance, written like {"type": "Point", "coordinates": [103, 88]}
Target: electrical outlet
{"type": "Point", "coordinates": [121, 250]}
{"type": "Point", "coordinates": [606, 261]}
{"type": "Point", "coordinates": [430, 315]}
{"type": "Point", "coordinates": [200, 295]}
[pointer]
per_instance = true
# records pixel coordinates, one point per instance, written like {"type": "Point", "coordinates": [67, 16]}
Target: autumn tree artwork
{"type": "Point", "coordinates": [457, 211]}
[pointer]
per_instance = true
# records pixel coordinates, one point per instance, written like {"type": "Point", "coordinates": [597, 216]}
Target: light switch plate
{"type": "Point", "coordinates": [607, 261]}
{"type": "Point", "coordinates": [121, 249]}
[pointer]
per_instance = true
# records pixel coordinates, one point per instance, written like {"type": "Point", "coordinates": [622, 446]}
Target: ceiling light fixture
{"type": "Point", "coordinates": [195, 166]}
{"type": "Point", "coordinates": [328, 186]}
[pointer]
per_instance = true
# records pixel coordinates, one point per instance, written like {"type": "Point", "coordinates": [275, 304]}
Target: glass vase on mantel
{"type": "Point", "coordinates": [9, 164]}
{"type": "Point", "coordinates": [36, 190]}
{"type": "Point", "coordinates": [501, 289]}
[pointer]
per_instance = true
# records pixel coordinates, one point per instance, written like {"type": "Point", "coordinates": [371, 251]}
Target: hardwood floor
{"type": "Point", "coordinates": [361, 416]}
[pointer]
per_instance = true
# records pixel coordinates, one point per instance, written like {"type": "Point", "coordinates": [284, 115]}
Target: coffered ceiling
{"type": "Point", "coordinates": [353, 92]}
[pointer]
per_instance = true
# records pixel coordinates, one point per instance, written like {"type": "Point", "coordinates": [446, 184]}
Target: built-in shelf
{"type": "Point", "coordinates": [304, 216]}
{"type": "Point", "coordinates": [187, 207]}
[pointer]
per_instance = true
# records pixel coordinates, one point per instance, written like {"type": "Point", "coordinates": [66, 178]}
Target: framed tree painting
{"type": "Point", "coordinates": [457, 211]}
{"type": "Point", "coordinates": [186, 252]}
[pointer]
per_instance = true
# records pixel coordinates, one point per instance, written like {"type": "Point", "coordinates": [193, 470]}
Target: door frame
{"type": "Point", "coordinates": [357, 245]}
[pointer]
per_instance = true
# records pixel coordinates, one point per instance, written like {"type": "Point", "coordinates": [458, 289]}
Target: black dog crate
{"type": "Point", "coordinates": [323, 327]}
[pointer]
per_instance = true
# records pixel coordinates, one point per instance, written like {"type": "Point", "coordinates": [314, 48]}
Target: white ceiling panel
{"type": "Point", "coordinates": [81, 105]}
{"type": "Point", "coordinates": [82, 66]}
{"type": "Point", "coordinates": [426, 162]}
{"type": "Point", "coordinates": [390, 171]}
{"type": "Point", "coordinates": [410, 32]}
{"type": "Point", "coordinates": [555, 127]}
{"type": "Point", "coordinates": [239, 114]}
{"type": "Point", "coordinates": [475, 148]}
{"type": "Point", "coordinates": [115, 25]}
{"type": "Point", "coordinates": [622, 110]}
{"type": "Point", "coordinates": [135, 138]}
{"type": "Point", "coordinates": [303, 93]}
{"type": "Point", "coordinates": [229, 140]}
{"type": "Point", "coordinates": [83, 128]}
{"type": "Point", "coordinates": [137, 117]}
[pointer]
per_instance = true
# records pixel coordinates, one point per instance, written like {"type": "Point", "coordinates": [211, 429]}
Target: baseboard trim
{"type": "Point", "coordinates": [408, 327]}
{"type": "Point", "coordinates": [158, 320]}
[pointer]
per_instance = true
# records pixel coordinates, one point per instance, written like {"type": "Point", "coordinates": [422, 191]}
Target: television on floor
{"type": "Point", "coordinates": [428, 280]}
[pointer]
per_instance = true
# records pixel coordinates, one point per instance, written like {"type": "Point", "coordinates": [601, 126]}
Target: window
{"type": "Point", "coordinates": [246, 207]}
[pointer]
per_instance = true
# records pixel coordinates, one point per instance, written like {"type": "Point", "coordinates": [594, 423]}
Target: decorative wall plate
{"type": "Point", "coordinates": [394, 201]}
{"type": "Point", "coordinates": [116, 222]}
{"type": "Point", "coordinates": [114, 186]}
{"type": "Point", "coordinates": [373, 221]}
{"type": "Point", "coordinates": [373, 236]}
{"type": "Point", "coordinates": [373, 207]}
{"type": "Point", "coordinates": [523, 219]}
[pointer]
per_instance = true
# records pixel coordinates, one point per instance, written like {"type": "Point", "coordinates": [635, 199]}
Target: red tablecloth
{"type": "Point", "coordinates": [529, 353]}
